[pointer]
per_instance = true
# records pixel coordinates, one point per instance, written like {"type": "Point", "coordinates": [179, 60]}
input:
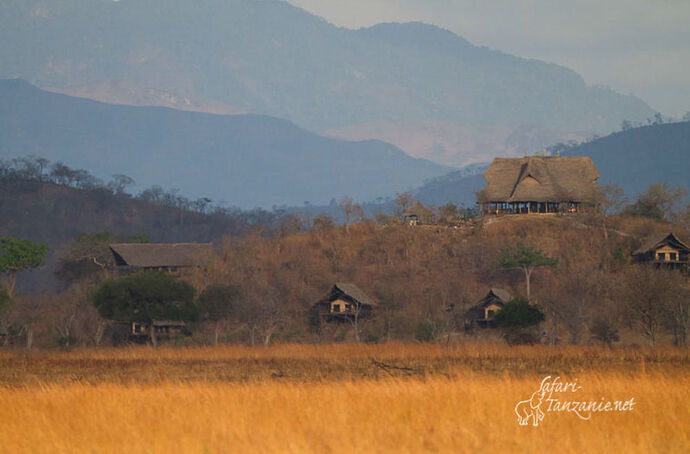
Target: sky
{"type": "Point", "coordinates": [633, 46]}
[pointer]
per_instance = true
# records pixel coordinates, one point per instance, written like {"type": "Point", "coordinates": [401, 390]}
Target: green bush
{"type": "Point", "coordinates": [519, 321]}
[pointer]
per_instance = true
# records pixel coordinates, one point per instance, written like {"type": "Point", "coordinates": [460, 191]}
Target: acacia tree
{"type": "Point", "coordinates": [216, 304]}
{"type": "Point", "coordinates": [612, 200]}
{"type": "Point", "coordinates": [525, 258]}
{"type": "Point", "coordinates": [569, 300]}
{"type": "Point", "coordinates": [119, 183]}
{"type": "Point", "coordinates": [347, 207]}
{"type": "Point", "coordinates": [659, 201]}
{"type": "Point", "coordinates": [263, 312]}
{"type": "Point", "coordinates": [33, 314]}
{"type": "Point", "coordinates": [90, 256]}
{"type": "Point", "coordinates": [448, 212]}
{"type": "Point", "coordinates": [648, 294]}
{"type": "Point", "coordinates": [678, 316]}
{"type": "Point", "coordinates": [145, 296]}
{"type": "Point", "coordinates": [18, 254]}
{"type": "Point", "coordinates": [402, 203]}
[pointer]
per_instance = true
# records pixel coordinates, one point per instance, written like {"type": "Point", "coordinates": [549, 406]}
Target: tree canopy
{"type": "Point", "coordinates": [90, 254]}
{"type": "Point", "coordinates": [145, 296]}
{"type": "Point", "coordinates": [18, 254]}
{"type": "Point", "coordinates": [516, 318]}
{"type": "Point", "coordinates": [518, 313]}
{"type": "Point", "coordinates": [660, 201]}
{"type": "Point", "coordinates": [525, 258]}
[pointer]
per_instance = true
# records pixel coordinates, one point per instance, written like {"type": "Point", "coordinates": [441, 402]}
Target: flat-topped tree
{"type": "Point", "coordinates": [90, 256]}
{"type": "Point", "coordinates": [525, 258]}
{"type": "Point", "coordinates": [18, 254]}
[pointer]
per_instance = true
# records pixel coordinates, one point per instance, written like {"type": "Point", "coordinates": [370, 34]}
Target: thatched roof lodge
{"type": "Point", "coordinates": [344, 300]}
{"type": "Point", "coordinates": [170, 256]}
{"type": "Point", "coordinates": [539, 184]}
{"type": "Point", "coordinates": [418, 214]}
{"type": "Point", "coordinates": [482, 314]}
{"type": "Point", "coordinates": [665, 250]}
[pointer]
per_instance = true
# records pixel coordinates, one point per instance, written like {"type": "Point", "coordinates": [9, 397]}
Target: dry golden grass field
{"type": "Point", "coordinates": [340, 398]}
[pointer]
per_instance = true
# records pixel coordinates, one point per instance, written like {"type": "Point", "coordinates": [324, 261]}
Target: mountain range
{"type": "Point", "coordinates": [244, 160]}
{"type": "Point", "coordinates": [456, 103]}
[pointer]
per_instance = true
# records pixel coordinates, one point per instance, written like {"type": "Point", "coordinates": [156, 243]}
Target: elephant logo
{"type": "Point", "coordinates": [530, 409]}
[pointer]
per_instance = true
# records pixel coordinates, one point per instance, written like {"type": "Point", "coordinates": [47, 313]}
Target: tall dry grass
{"type": "Point", "coordinates": [433, 415]}
{"type": "Point", "coordinates": [297, 398]}
{"type": "Point", "coordinates": [300, 362]}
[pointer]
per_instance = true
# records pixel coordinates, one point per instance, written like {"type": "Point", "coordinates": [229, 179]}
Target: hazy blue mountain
{"type": "Point", "coordinates": [246, 160]}
{"type": "Point", "coordinates": [456, 187]}
{"type": "Point", "coordinates": [638, 157]}
{"type": "Point", "coordinates": [271, 58]}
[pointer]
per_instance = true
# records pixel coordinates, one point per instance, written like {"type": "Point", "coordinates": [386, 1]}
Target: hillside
{"type": "Point", "coordinates": [271, 58]}
{"type": "Point", "coordinates": [638, 157]}
{"type": "Point", "coordinates": [245, 160]}
{"type": "Point", "coordinates": [55, 215]}
{"type": "Point", "coordinates": [120, 92]}
{"type": "Point", "coordinates": [457, 187]}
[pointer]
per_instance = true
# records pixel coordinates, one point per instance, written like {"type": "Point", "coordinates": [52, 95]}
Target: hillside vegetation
{"type": "Point", "coordinates": [416, 274]}
{"type": "Point", "coordinates": [55, 214]}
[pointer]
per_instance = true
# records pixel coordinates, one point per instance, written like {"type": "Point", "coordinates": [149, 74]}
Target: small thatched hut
{"type": "Point", "coordinates": [344, 301]}
{"type": "Point", "coordinates": [666, 251]}
{"type": "Point", "coordinates": [418, 215]}
{"type": "Point", "coordinates": [482, 314]}
{"type": "Point", "coordinates": [539, 184]}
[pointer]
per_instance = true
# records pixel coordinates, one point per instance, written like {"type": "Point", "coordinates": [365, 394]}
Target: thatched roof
{"type": "Point", "coordinates": [657, 241]}
{"type": "Point", "coordinates": [497, 296]}
{"type": "Point", "coordinates": [353, 292]}
{"type": "Point", "coordinates": [157, 255]}
{"type": "Point", "coordinates": [418, 210]}
{"type": "Point", "coordinates": [501, 294]}
{"type": "Point", "coordinates": [541, 179]}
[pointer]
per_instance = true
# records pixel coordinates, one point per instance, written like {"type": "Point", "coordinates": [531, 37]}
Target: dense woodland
{"type": "Point", "coordinates": [423, 277]}
{"type": "Point", "coordinates": [51, 203]}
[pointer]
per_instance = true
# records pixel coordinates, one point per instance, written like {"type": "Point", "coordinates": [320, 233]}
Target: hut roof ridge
{"type": "Point", "coordinates": [355, 292]}
{"type": "Point", "coordinates": [656, 240]}
{"type": "Point", "coordinates": [153, 255]}
{"type": "Point", "coordinates": [502, 294]}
